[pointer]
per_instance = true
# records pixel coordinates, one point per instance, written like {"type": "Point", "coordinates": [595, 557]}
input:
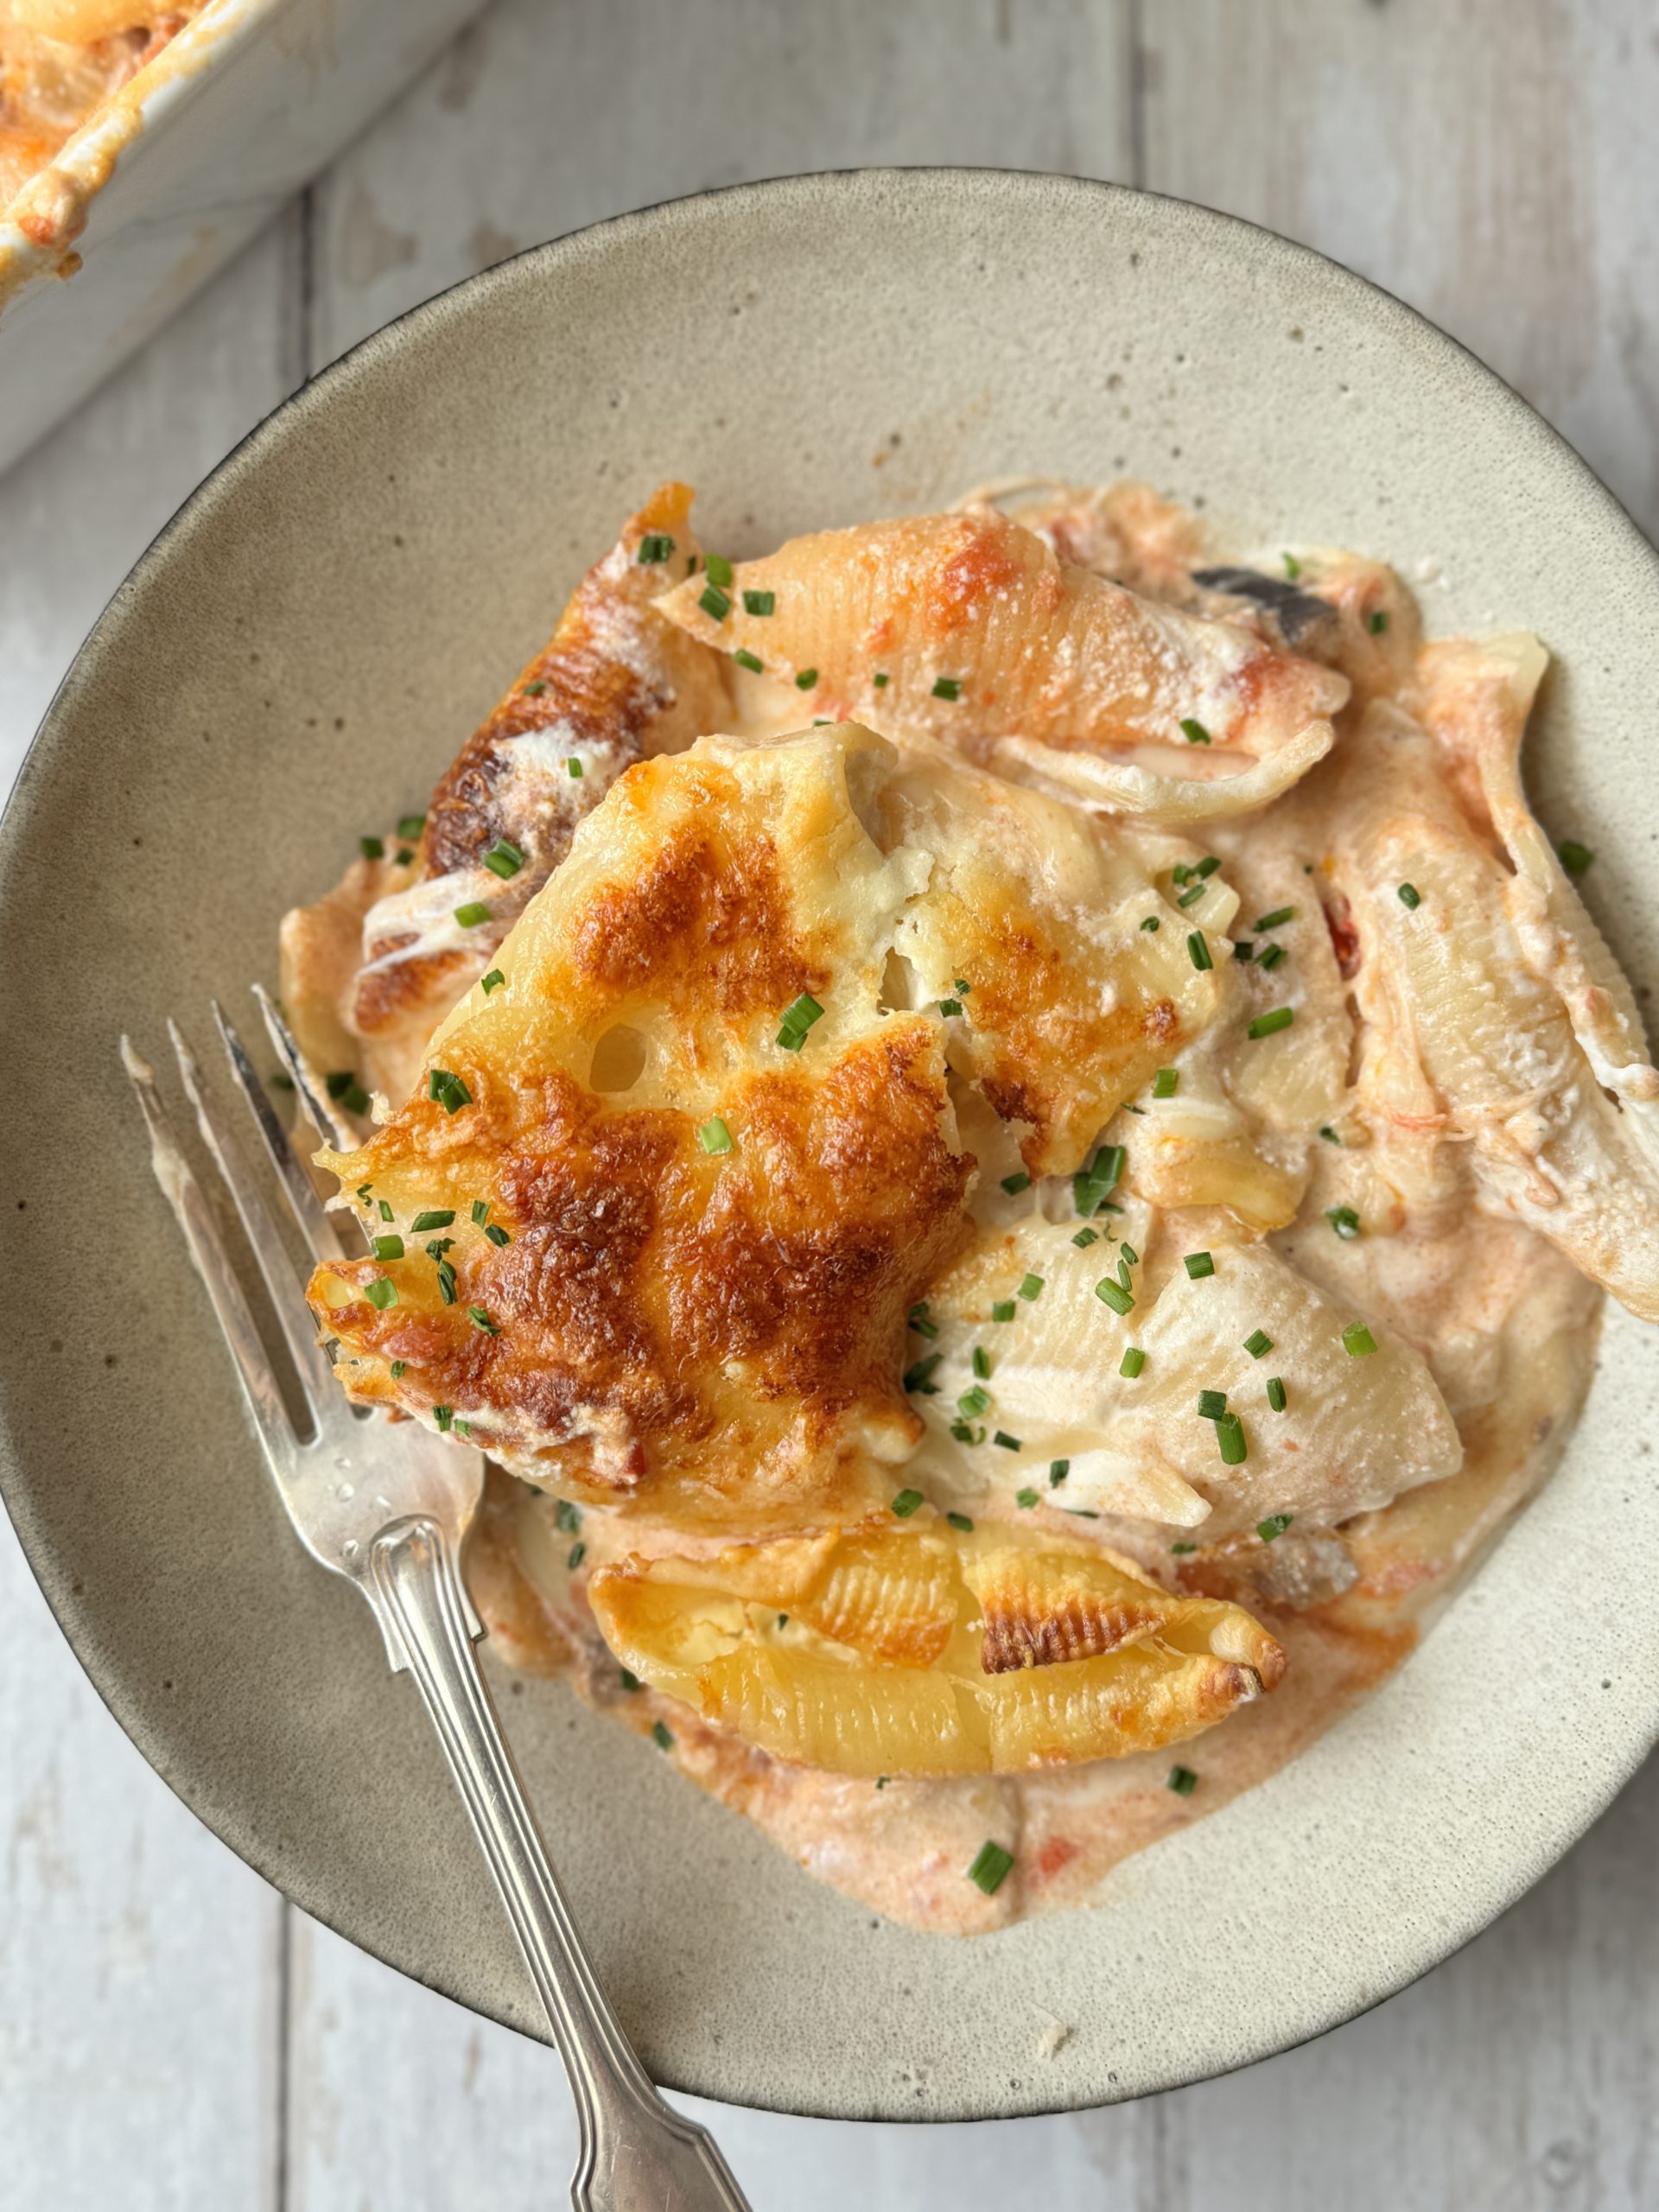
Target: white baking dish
{"type": "Point", "coordinates": [165, 181]}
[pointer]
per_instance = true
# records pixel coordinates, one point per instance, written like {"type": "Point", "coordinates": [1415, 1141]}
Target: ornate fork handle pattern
{"type": "Point", "coordinates": [637, 2154]}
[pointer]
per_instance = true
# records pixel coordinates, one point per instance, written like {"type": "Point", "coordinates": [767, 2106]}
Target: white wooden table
{"type": "Point", "coordinates": [172, 2035]}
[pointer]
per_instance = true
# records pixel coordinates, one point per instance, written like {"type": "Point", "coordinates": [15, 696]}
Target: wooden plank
{"type": "Point", "coordinates": [540, 120]}
{"type": "Point", "coordinates": [138, 1960]}
{"type": "Point", "coordinates": [1494, 163]}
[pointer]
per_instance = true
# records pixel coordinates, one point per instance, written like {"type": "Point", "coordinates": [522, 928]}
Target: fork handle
{"type": "Point", "coordinates": [636, 2153]}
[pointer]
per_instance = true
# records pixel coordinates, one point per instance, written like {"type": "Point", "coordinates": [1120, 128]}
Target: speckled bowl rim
{"type": "Point", "coordinates": [1576, 1808]}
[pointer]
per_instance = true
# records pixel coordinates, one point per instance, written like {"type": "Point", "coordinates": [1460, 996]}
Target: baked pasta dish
{"type": "Point", "coordinates": [1009, 1135]}
{"type": "Point", "coordinates": [60, 59]}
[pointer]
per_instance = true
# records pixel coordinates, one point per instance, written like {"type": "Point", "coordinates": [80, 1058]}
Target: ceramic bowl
{"type": "Point", "coordinates": [336, 608]}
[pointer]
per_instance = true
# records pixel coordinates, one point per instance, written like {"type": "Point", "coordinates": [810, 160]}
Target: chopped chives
{"type": "Point", "coordinates": [715, 1136]}
{"type": "Point", "coordinates": [1258, 1343]}
{"type": "Point", "coordinates": [974, 1402]}
{"type": "Point", "coordinates": [798, 1017]}
{"type": "Point", "coordinates": [1132, 1361]}
{"type": "Point", "coordinates": [947, 687]}
{"type": "Point", "coordinates": [481, 1319]}
{"type": "Point", "coordinates": [1180, 1549]}
{"type": "Point", "coordinates": [472, 913]}
{"type": "Point", "coordinates": [661, 1735]}
{"type": "Point", "coordinates": [1151, 922]}
{"type": "Point", "coordinates": [1024, 1499]}
{"type": "Point", "coordinates": [1200, 1264]}
{"type": "Point", "coordinates": [1292, 567]}
{"type": "Point", "coordinates": [753, 662]}
{"type": "Point", "coordinates": [1268, 1024]}
{"type": "Point", "coordinates": [1243, 950]}
{"type": "Point", "coordinates": [411, 825]}
{"type": "Point", "coordinates": [1276, 920]}
{"type": "Point", "coordinates": [1276, 1394]}
{"type": "Point", "coordinates": [991, 1867]}
{"type": "Point", "coordinates": [575, 1556]}
{"type": "Point", "coordinates": [881, 679]}
{"type": "Point", "coordinates": [386, 1213]}
{"type": "Point", "coordinates": [1574, 857]}
{"type": "Point", "coordinates": [1379, 622]}
{"type": "Point", "coordinates": [922, 1322]}
{"type": "Point", "coordinates": [1199, 951]}
{"type": "Point", "coordinates": [1182, 1781]}
{"type": "Point", "coordinates": [1003, 1310]}
{"type": "Point", "coordinates": [1091, 1184]}
{"type": "Point", "coordinates": [399, 1368]}
{"type": "Point", "coordinates": [493, 981]}
{"type": "Point", "coordinates": [715, 603]}
{"type": "Point", "coordinates": [497, 1234]}
{"type": "Point", "coordinates": [1016, 1183]}
{"type": "Point", "coordinates": [362, 1191]}
{"type": "Point", "coordinates": [806, 679]}
{"type": "Point", "coordinates": [907, 1503]}
{"type": "Point", "coordinates": [962, 988]}
{"type": "Point", "coordinates": [1409, 896]}
{"type": "Point", "coordinates": [918, 1378]}
{"type": "Point", "coordinates": [1212, 1404]}
{"type": "Point", "coordinates": [628, 1679]}
{"type": "Point", "coordinates": [960, 1521]}
{"type": "Point", "coordinates": [450, 1091]}
{"type": "Point", "coordinates": [1165, 1082]}
{"type": "Point", "coordinates": [949, 1007]}
{"type": "Point", "coordinates": [1114, 1294]}
{"type": "Point", "coordinates": [1344, 1220]}
{"type": "Point", "coordinates": [438, 1247]}
{"type": "Point", "coordinates": [1191, 895]}
{"type": "Point", "coordinates": [381, 1293]}
{"type": "Point", "coordinates": [1358, 1341]}
{"type": "Point", "coordinates": [1085, 1237]}
{"type": "Point", "coordinates": [281, 1079]}
{"type": "Point", "coordinates": [1008, 1443]}
{"type": "Point", "coordinates": [446, 1282]}
{"type": "Point", "coordinates": [389, 1248]}
{"type": "Point", "coordinates": [481, 1212]}
{"type": "Point", "coordinates": [655, 547]}
{"type": "Point", "coordinates": [532, 690]}
{"type": "Point", "coordinates": [573, 766]}
{"type": "Point", "coordinates": [964, 1434]}
{"type": "Point", "coordinates": [1271, 958]}
{"type": "Point", "coordinates": [1329, 1134]}
{"type": "Point", "coordinates": [1194, 730]}
{"type": "Point", "coordinates": [982, 1362]}
{"type": "Point", "coordinates": [1274, 1525]}
{"type": "Point", "coordinates": [372, 849]}
{"type": "Point", "coordinates": [404, 855]}
{"type": "Point", "coordinates": [1057, 1471]}
{"type": "Point", "coordinates": [759, 602]}
{"type": "Point", "coordinates": [1030, 1288]}
{"type": "Point", "coordinates": [443, 1415]}
{"type": "Point", "coordinates": [718, 569]}
{"type": "Point", "coordinates": [1207, 866]}
{"type": "Point", "coordinates": [1229, 1437]}
{"type": "Point", "coordinates": [503, 859]}
{"type": "Point", "coordinates": [568, 1517]}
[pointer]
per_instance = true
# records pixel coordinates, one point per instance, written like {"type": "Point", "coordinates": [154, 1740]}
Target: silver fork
{"type": "Point", "coordinates": [388, 1506]}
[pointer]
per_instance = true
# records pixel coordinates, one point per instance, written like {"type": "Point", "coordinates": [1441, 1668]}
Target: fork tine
{"type": "Point", "coordinates": [318, 1104]}
{"type": "Point", "coordinates": [282, 1277]}
{"type": "Point", "coordinates": [317, 1225]}
{"type": "Point", "coordinates": [183, 1194]}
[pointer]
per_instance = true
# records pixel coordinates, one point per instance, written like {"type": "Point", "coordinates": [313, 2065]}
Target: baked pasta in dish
{"type": "Point", "coordinates": [60, 59]}
{"type": "Point", "coordinates": [1010, 1136]}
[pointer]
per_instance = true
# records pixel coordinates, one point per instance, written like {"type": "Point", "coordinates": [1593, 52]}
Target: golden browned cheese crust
{"type": "Point", "coordinates": [614, 683]}
{"type": "Point", "coordinates": [710, 1336]}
